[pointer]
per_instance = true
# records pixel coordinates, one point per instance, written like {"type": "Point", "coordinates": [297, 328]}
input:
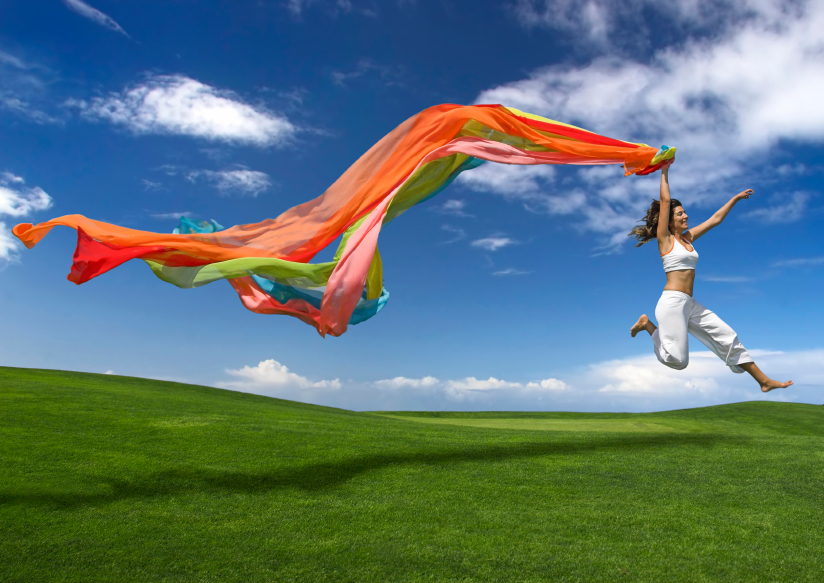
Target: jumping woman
{"type": "Point", "coordinates": [677, 311]}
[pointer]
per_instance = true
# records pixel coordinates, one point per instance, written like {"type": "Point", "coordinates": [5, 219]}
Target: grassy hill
{"type": "Point", "coordinates": [109, 478]}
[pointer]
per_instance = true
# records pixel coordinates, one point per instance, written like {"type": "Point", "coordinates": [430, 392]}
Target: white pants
{"type": "Point", "coordinates": [678, 313]}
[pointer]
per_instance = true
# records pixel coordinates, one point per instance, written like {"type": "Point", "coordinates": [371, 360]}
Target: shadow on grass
{"type": "Point", "coordinates": [323, 476]}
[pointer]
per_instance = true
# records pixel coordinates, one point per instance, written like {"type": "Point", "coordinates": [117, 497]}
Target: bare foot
{"type": "Point", "coordinates": [641, 324]}
{"type": "Point", "coordinates": [771, 384]}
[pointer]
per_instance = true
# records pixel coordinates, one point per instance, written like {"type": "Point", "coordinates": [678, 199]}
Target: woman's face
{"type": "Point", "coordinates": [679, 220]}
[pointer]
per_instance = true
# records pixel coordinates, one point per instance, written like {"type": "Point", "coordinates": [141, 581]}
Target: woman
{"type": "Point", "coordinates": [677, 312]}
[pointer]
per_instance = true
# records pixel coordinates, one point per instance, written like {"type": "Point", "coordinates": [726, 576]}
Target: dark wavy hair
{"type": "Point", "coordinates": [649, 230]}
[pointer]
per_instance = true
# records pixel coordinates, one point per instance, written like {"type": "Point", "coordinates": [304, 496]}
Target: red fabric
{"type": "Point", "coordinates": [583, 135]}
{"type": "Point", "coordinates": [92, 258]}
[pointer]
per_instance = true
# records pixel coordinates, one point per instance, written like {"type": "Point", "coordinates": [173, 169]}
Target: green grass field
{"type": "Point", "coordinates": [109, 478]}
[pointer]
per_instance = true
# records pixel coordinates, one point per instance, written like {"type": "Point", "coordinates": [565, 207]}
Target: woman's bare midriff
{"type": "Point", "coordinates": [681, 280]}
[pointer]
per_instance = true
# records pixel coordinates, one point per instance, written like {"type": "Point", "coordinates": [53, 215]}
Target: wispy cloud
{"type": "Point", "coordinates": [727, 278]}
{"type": "Point", "coordinates": [94, 15]}
{"type": "Point", "coordinates": [17, 201]}
{"type": "Point", "coordinates": [458, 234]}
{"type": "Point", "coordinates": [151, 184]}
{"type": "Point", "coordinates": [801, 262]}
{"type": "Point", "coordinates": [173, 216]}
{"type": "Point", "coordinates": [23, 87]}
{"type": "Point", "coordinates": [387, 75]}
{"type": "Point", "coordinates": [788, 210]}
{"type": "Point", "coordinates": [13, 61]}
{"type": "Point", "coordinates": [511, 271]}
{"type": "Point", "coordinates": [178, 105]}
{"type": "Point", "coordinates": [26, 109]}
{"type": "Point", "coordinates": [602, 24]}
{"type": "Point", "coordinates": [332, 7]}
{"type": "Point", "coordinates": [240, 181]}
{"type": "Point", "coordinates": [493, 243]}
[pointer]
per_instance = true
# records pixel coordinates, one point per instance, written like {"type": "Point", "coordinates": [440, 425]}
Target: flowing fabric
{"type": "Point", "coordinates": [267, 263]}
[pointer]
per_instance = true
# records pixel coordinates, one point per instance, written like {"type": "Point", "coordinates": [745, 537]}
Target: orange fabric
{"type": "Point", "coordinates": [300, 232]}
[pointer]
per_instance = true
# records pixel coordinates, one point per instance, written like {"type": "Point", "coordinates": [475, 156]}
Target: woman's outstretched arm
{"type": "Point", "coordinates": [719, 215]}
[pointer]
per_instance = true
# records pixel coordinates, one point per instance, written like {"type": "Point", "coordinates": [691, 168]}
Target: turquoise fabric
{"type": "Point", "coordinates": [188, 226]}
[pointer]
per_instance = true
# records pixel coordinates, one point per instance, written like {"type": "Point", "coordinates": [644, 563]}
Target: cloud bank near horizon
{"type": "Point", "coordinates": [634, 384]}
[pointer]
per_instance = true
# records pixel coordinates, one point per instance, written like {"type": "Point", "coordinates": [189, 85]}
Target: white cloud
{"type": "Point", "coordinates": [724, 102]}
{"type": "Point", "coordinates": [109, 372]}
{"type": "Point", "coordinates": [242, 181]}
{"type": "Point", "coordinates": [94, 15]}
{"type": "Point", "coordinates": [552, 384]}
{"type": "Point", "coordinates": [507, 179]}
{"type": "Point", "coordinates": [9, 178]}
{"type": "Point", "coordinates": [467, 390]}
{"type": "Point", "coordinates": [493, 243]}
{"type": "Point", "coordinates": [17, 201]}
{"type": "Point", "coordinates": [637, 383]}
{"type": "Point", "coordinates": [588, 17]}
{"type": "Point", "coordinates": [705, 379]}
{"type": "Point", "coordinates": [403, 382]}
{"type": "Point", "coordinates": [270, 374]}
{"type": "Point", "coordinates": [175, 104]}
{"type": "Point", "coordinates": [473, 384]}
{"type": "Point", "coordinates": [454, 207]}
{"type": "Point", "coordinates": [525, 184]}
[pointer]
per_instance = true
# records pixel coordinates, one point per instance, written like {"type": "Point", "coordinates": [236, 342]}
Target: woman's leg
{"type": "Point", "coordinates": [766, 383]}
{"type": "Point", "coordinates": [643, 323]}
{"type": "Point", "coordinates": [670, 340]}
{"type": "Point", "coordinates": [716, 335]}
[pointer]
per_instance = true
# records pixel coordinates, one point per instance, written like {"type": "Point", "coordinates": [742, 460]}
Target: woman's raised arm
{"type": "Point", "coordinates": [663, 233]}
{"type": "Point", "coordinates": [719, 215]}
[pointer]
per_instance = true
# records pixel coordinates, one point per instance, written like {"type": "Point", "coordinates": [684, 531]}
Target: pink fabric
{"type": "Point", "coordinates": [258, 301]}
{"type": "Point", "coordinates": [345, 286]}
{"type": "Point", "coordinates": [505, 154]}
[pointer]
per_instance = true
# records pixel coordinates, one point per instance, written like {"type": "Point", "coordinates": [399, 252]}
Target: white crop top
{"type": "Point", "coordinates": [679, 257]}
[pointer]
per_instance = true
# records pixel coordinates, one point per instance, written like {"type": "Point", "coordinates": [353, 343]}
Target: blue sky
{"type": "Point", "coordinates": [521, 285]}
